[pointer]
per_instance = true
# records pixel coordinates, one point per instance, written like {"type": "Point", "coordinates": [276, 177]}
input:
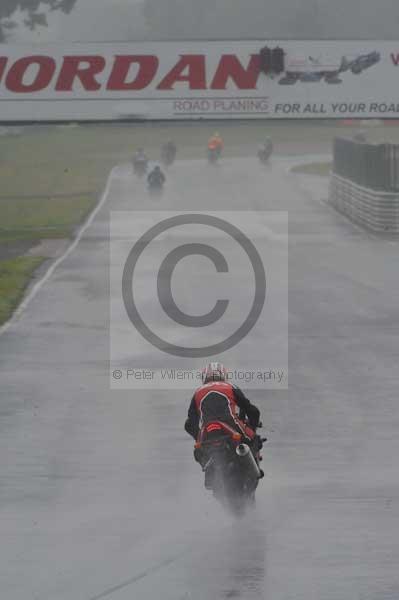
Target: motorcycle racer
{"type": "Point", "coordinates": [215, 142]}
{"type": "Point", "coordinates": [219, 400]}
{"type": "Point", "coordinates": [140, 156]}
{"type": "Point", "coordinates": [156, 178]}
{"type": "Point", "coordinates": [140, 161]}
{"type": "Point", "coordinates": [265, 150]}
{"type": "Point", "coordinates": [168, 152]}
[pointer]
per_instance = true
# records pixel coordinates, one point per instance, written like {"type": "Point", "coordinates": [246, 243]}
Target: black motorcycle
{"type": "Point", "coordinates": [231, 469]}
{"type": "Point", "coordinates": [140, 164]}
{"type": "Point", "coordinates": [140, 167]}
{"type": "Point", "coordinates": [265, 152]}
{"type": "Point", "coordinates": [168, 154]}
{"type": "Point", "coordinates": [155, 181]}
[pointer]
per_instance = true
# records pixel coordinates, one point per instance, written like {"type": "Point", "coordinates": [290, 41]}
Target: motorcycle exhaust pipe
{"type": "Point", "coordinates": [247, 460]}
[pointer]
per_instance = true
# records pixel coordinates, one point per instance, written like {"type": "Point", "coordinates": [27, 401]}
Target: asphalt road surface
{"type": "Point", "coordinates": [99, 495]}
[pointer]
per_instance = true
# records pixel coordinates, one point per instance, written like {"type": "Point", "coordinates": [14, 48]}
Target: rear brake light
{"type": "Point", "coordinates": [213, 427]}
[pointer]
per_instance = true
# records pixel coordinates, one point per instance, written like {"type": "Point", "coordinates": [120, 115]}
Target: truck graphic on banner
{"type": "Point", "coordinates": [315, 69]}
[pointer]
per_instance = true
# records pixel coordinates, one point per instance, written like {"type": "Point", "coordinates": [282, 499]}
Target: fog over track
{"type": "Point", "coordinates": [99, 494]}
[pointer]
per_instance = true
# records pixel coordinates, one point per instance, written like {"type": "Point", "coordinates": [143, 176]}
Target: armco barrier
{"type": "Point", "coordinates": [374, 209]}
{"type": "Point", "coordinates": [371, 165]}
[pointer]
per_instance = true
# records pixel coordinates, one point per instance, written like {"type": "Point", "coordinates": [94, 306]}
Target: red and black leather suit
{"type": "Point", "coordinates": [221, 401]}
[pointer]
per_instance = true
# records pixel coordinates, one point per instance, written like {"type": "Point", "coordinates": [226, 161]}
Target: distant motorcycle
{"type": "Point", "coordinates": [168, 153]}
{"type": "Point", "coordinates": [140, 168]}
{"type": "Point", "coordinates": [214, 154]}
{"type": "Point", "coordinates": [155, 181]}
{"type": "Point", "coordinates": [231, 469]}
{"type": "Point", "coordinates": [265, 151]}
{"type": "Point", "coordinates": [140, 163]}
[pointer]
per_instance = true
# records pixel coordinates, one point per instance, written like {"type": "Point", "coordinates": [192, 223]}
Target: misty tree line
{"type": "Point", "coordinates": [34, 13]}
{"type": "Point", "coordinates": [188, 19]}
{"type": "Point", "coordinates": [196, 19]}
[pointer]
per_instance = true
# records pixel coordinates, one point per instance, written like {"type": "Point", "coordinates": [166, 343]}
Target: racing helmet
{"type": "Point", "coordinates": [214, 371]}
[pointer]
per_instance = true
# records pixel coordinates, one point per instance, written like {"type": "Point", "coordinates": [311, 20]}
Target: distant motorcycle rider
{"type": "Point", "coordinates": [265, 150]}
{"type": "Point", "coordinates": [168, 152]}
{"type": "Point", "coordinates": [140, 156]}
{"type": "Point", "coordinates": [219, 400]}
{"type": "Point", "coordinates": [216, 143]}
{"type": "Point", "coordinates": [156, 178]}
{"type": "Point", "coordinates": [140, 161]}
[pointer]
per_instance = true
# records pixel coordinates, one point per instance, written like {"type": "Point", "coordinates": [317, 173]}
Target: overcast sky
{"type": "Point", "coordinates": [122, 20]}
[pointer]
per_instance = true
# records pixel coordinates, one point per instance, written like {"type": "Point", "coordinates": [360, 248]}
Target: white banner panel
{"type": "Point", "coordinates": [196, 80]}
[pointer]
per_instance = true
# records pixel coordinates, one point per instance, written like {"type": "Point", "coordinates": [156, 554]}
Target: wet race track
{"type": "Point", "coordinates": [99, 495]}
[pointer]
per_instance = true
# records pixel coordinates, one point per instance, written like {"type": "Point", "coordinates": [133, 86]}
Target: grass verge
{"type": "Point", "coordinates": [15, 275]}
{"type": "Point", "coordinates": [39, 218]}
